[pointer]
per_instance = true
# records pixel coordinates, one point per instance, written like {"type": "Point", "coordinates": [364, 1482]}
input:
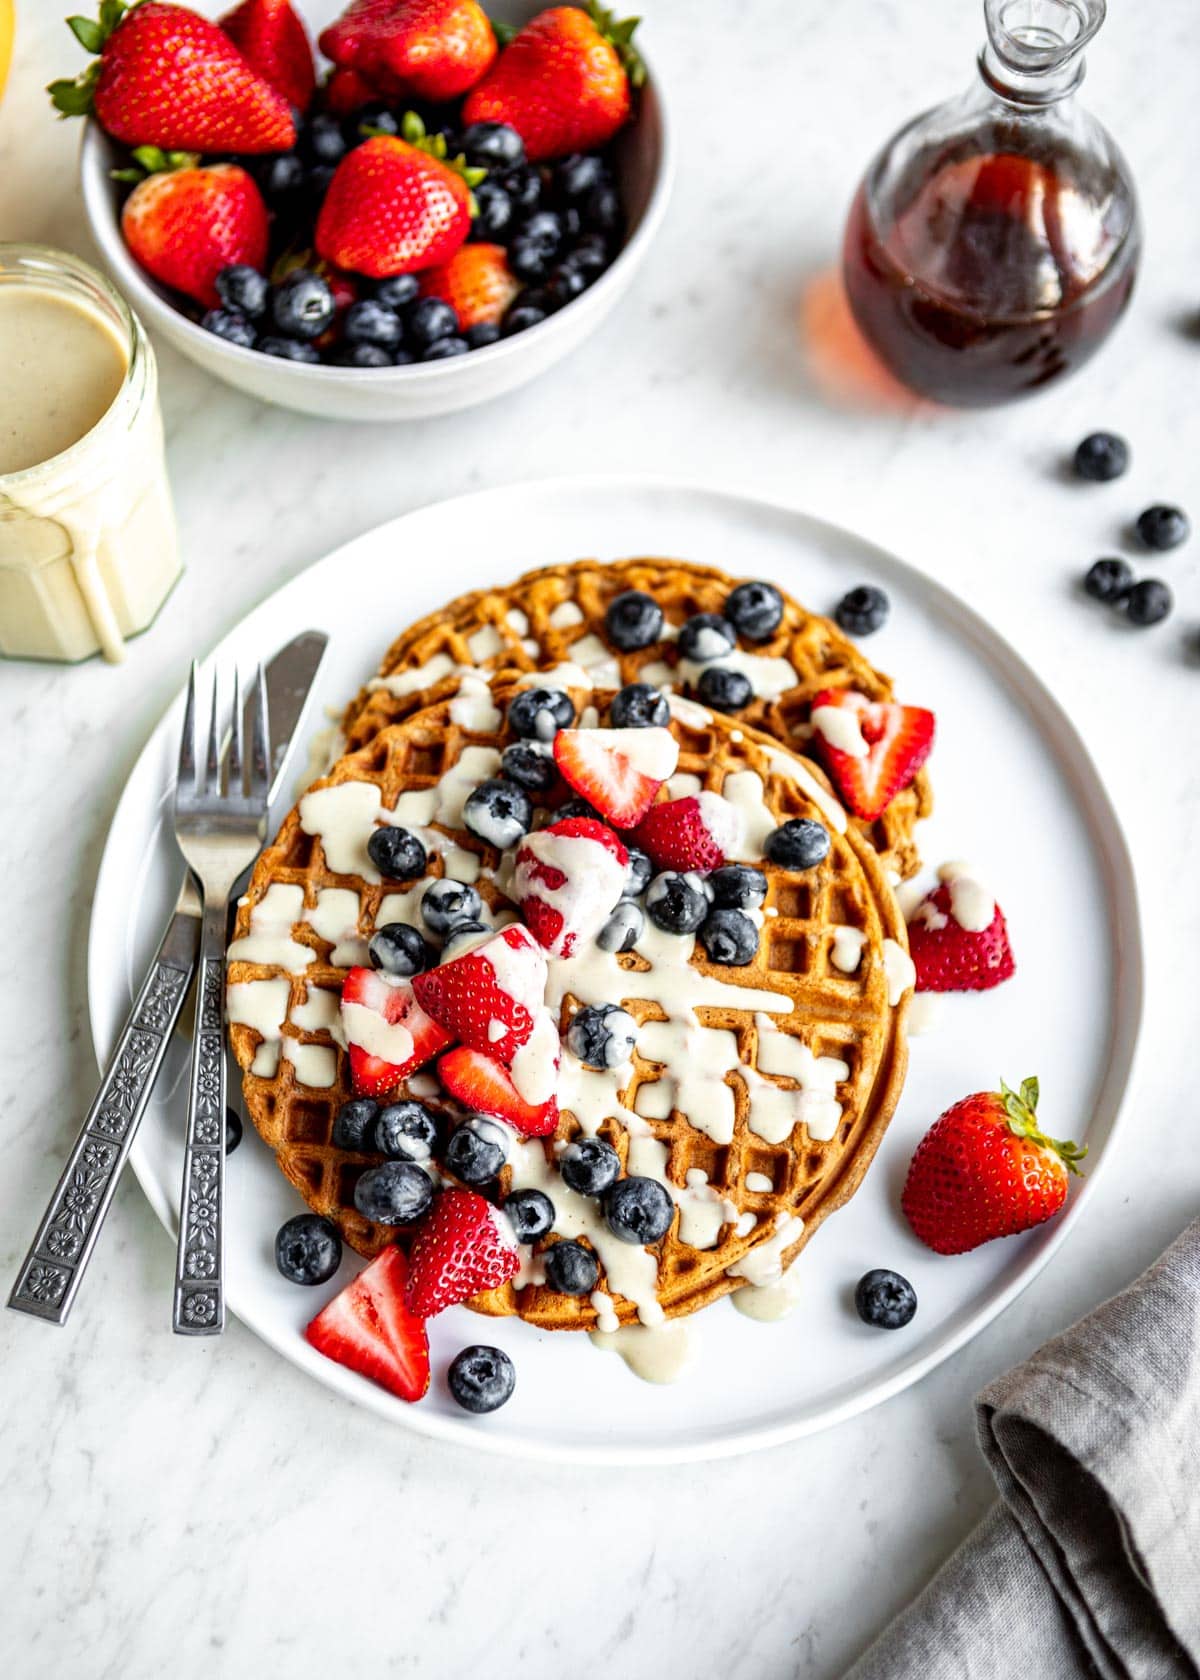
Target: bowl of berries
{"type": "Point", "coordinates": [426, 211]}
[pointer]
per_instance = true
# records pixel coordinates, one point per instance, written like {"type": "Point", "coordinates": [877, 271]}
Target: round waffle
{"type": "Point", "coordinates": [749, 1035]}
{"type": "Point", "coordinates": [555, 616]}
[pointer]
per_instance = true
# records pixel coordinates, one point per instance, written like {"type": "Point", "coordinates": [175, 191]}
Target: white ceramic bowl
{"type": "Point", "coordinates": [644, 168]}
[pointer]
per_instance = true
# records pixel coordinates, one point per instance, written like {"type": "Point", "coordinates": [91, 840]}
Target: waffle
{"type": "Point", "coordinates": [835, 1014]}
{"type": "Point", "coordinates": [521, 626]}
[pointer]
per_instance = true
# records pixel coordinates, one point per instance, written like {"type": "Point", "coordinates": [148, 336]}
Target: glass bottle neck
{"type": "Point", "coordinates": [1033, 90]}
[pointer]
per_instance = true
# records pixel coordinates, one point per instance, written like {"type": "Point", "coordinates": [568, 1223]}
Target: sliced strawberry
{"type": "Point", "coordinates": [871, 748]}
{"type": "Point", "coordinates": [483, 1085]}
{"type": "Point", "coordinates": [696, 833]}
{"type": "Point", "coordinates": [370, 1329]}
{"type": "Point", "coordinates": [388, 1032]}
{"type": "Point", "coordinates": [951, 958]}
{"type": "Point", "coordinates": [619, 771]}
{"type": "Point", "coordinates": [463, 1246]}
{"type": "Point", "coordinates": [271, 38]}
{"type": "Point", "coordinates": [567, 877]}
{"type": "Point", "coordinates": [488, 998]}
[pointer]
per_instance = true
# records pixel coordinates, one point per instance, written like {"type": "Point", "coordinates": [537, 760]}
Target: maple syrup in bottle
{"type": "Point", "coordinates": [993, 243]}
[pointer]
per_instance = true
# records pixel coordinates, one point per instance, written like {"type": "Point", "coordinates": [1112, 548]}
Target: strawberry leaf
{"type": "Point", "coordinates": [504, 32]}
{"type": "Point", "coordinates": [87, 32]}
{"type": "Point", "coordinates": [1021, 1117]}
{"type": "Point", "coordinates": [73, 98]}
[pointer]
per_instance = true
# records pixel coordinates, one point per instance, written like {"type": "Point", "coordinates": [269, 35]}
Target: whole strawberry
{"type": "Point", "coordinates": [477, 283]}
{"type": "Point", "coordinates": [423, 49]}
{"type": "Point", "coordinates": [167, 77]}
{"type": "Point", "coordinates": [395, 206]}
{"type": "Point", "coordinates": [984, 1170]}
{"type": "Point", "coordinates": [563, 82]}
{"type": "Point", "coordinates": [184, 225]}
{"type": "Point", "coordinates": [271, 38]}
{"type": "Point", "coordinates": [463, 1246]}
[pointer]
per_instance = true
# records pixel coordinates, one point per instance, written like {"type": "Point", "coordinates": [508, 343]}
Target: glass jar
{"type": "Point", "coordinates": [993, 243]}
{"type": "Point", "coordinates": [88, 549]}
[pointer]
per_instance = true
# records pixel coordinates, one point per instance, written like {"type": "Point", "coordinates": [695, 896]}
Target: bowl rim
{"type": "Point", "coordinates": [128, 276]}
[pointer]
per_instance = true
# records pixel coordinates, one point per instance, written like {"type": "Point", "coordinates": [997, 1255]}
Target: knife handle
{"type": "Point", "coordinates": [54, 1266]}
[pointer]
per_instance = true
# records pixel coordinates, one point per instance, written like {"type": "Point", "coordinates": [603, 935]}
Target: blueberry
{"type": "Point", "coordinates": [244, 290]}
{"type": "Point", "coordinates": [476, 1151]}
{"type": "Point", "coordinates": [565, 284]}
{"type": "Point", "coordinates": [319, 178]}
{"type": "Point", "coordinates": [531, 1213]}
{"type": "Point", "coordinates": [397, 1193]}
{"type": "Point", "coordinates": [863, 610]}
{"type": "Point", "coordinates": [1101, 456]}
{"type": "Point", "coordinates": [633, 620]}
{"type": "Point", "coordinates": [281, 177]}
{"type": "Point", "coordinates": [639, 706]}
{"type": "Point", "coordinates": [492, 144]}
{"type": "Point", "coordinates": [638, 1210]}
{"type": "Point", "coordinates": [397, 291]}
{"type": "Point", "coordinates": [354, 1126]}
{"type": "Point", "coordinates": [406, 1131]}
{"type": "Point", "coordinates": [576, 176]}
{"type": "Point", "coordinates": [499, 812]}
{"type": "Point", "coordinates": [676, 903]}
{"type": "Point", "coordinates": [520, 317]}
{"type": "Point", "coordinates": [799, 843]}
{"type": "Point", "coordinates": [1161, 527]}
{"type": "Point", "coordinates": [524, 764]}
{"type": "Point", "coordinates": [233, 1130]}
{"type": "Point", "coordinates": [571, 1268]}
{"type": "Point", "coordinates": [464, 936]}
{"type": "Point", "coordinates": [1108, 580]}
{"type": "Point", "coordinates": [308, 1249]}
{"type": "Point", "coordinates": [482, 334]}
{"type": "Point", "coordinates": [885, 1299]}
{"type": "Point", "coordinates": [544, 228]}
{"type": "Point", "coordinates": [445, 348]}
{"type": "Point", "coordinates": [361, 356]}
{"type": "Point", "coordinates": [755, 610]}
{"type": "Point", "coordinates": [322, 140]}
{"type": "Point", "coordinates": [623, 928]}
{"type": "Point", "coordinates": [302, 304]}
{"type": "Point", "coordinates": [738, 886]}
{"type": "Point", "coordinates": [370, 322]}
{"type": "Point", "coordinates": [495, 212]}
{"type": "Point", "coordinates": [705, 637]}
{"type": "Point", "coordinates": [481, 1378]}
{"type": "Point", "coordinates": [602, 209]}
{"type": "Point", "coordinates": [590, 255]}
{"type": "Point", "coordinates": [589, 1166]}
{"type": "Point", "coordinates": [529, 260]}
{"type": "Point", "coordinates": [724, 690]}
{"type": "Point", "coordinates": [602, 1035]}
{"type": "Point", "coordinates": [377, 117]}
{"type": "Point", "coordinates": [638, 874]}
{"type": "Point", "coordinates": [232, 327]}
{"type": "Point", "coordinates": [399, 949]}
{"type": "Point", "coordinates": [402, 358]}
{"type": "Point", "coordinates": [1148, 602]}
{"type": "Point", "coordinates": [524, 186]}
{"type": "Point", "coordinates": [576, 807]}
{"type": "Point", "coordinates": [730, 938]}
{"type": "Point", "coordinates": [537, 714]}
{"type": "Point", "coordinates": [397, 853]}
{"type": "Point", "coordinates": [288, 349]}
{"type": "Point", "coordinates": [445, 904]}
{"type": "Point", "coordinates": [427, 320]}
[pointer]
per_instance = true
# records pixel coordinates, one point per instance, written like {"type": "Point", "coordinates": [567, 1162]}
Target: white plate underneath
{"type": "Point", "coordinates": [1016, 794]}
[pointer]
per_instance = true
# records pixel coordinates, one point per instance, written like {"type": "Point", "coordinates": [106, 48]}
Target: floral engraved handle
{"type": "Point", "coordinates": [51, 1271]}
{"type": "Point", "coordinates": [200, 1268]}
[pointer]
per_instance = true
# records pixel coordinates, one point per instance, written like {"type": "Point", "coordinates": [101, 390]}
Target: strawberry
{"type": "Point", "coordinates": [951, 958]}
{"type": "Point", "coordinates": [394, 206]}
{"type": "Point", "coordinates": [184, 225]}
{"type": "Point", "coordinates": [379, 1015]}
{"type": "Point", "coordinates": [463, 1245]}
{"type": "Point", "coordinates": [477, 283]}
{"type": "Point", "coordinates": [566, 878]}
{"type": "Point", "coordinates": [483, 1085]}
{"type": "Point", "coordinates": [273, 41]}
{"type": "Point", "coordinates": [346, 91]}
{"type": "Point", "coordinates": [696, 833]}
{"type": "Point", "coordinates": [423, 49]}
{"type": "Point", "coordinates": [563, 82]}
{"type": "Point", "coordinates": [167, 77]}
{"type": "Point", "coordinates": [619, 771]}
{"type": "Point", "coordinates": [370, 1329]}
{"type": "Point", "coordinates": [984, 1170]}
{"type": "Point", "coordinates": [490, 997]}
{"type": "Point", "coordinates": [871, 748]}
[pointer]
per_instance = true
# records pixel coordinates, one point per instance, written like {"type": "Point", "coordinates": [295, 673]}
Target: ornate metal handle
{"type": "Point", "coordinates": [200, 1265]}
{"type": "Point", "coordinates": [52, 1270]}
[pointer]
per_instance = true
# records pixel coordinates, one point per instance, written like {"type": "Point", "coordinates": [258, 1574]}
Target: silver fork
{"type": "Point", "coordinates": [220, 825]}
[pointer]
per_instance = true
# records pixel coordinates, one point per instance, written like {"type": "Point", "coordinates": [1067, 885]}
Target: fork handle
{"type": "Point", "coordinates": [58, 1256]}
{"type": "Point", "coordinates": [199, 1308]}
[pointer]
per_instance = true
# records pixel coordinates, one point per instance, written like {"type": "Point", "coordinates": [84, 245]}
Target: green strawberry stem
{"type": "Point", "coordinates": [72, 97]}
{"type": "Point", "coordinates": [152, 160]}
{"type": "Point", "coordinates": [619, 35]}
{"type": "Point", "coordinates": [1020, 1111]}
{"type": "Point", "coordinates": [412, 130]}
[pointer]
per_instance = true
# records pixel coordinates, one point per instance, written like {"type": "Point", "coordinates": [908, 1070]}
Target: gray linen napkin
{"type": "Point", "coordinates": [1090, 1565]}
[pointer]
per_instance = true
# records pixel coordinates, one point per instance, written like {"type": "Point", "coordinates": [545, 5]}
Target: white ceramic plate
{"type": "Point", "coordinates": [1016, 794]}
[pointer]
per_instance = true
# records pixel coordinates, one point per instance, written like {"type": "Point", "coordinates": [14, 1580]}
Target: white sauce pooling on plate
{"type": "Point", "coordinates": [659, 1355]}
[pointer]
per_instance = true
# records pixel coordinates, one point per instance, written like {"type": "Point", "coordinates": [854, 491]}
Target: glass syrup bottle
{"type": "Point", "coordinates": [993, 243]}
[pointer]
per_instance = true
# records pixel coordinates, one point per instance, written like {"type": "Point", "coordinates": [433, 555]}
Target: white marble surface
{"type": "Point", "coordinates": [208, 1510]}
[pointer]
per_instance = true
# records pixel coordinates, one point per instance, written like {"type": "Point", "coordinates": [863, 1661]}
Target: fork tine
{"type": "Point", "coordinates": [185, 779]}
{"type": "Point", "coordinates": [235, 787]}
{"type": "Point", "coordinates": [260, 759]}
{"type": "Point", "coordinates": [212, 764]}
